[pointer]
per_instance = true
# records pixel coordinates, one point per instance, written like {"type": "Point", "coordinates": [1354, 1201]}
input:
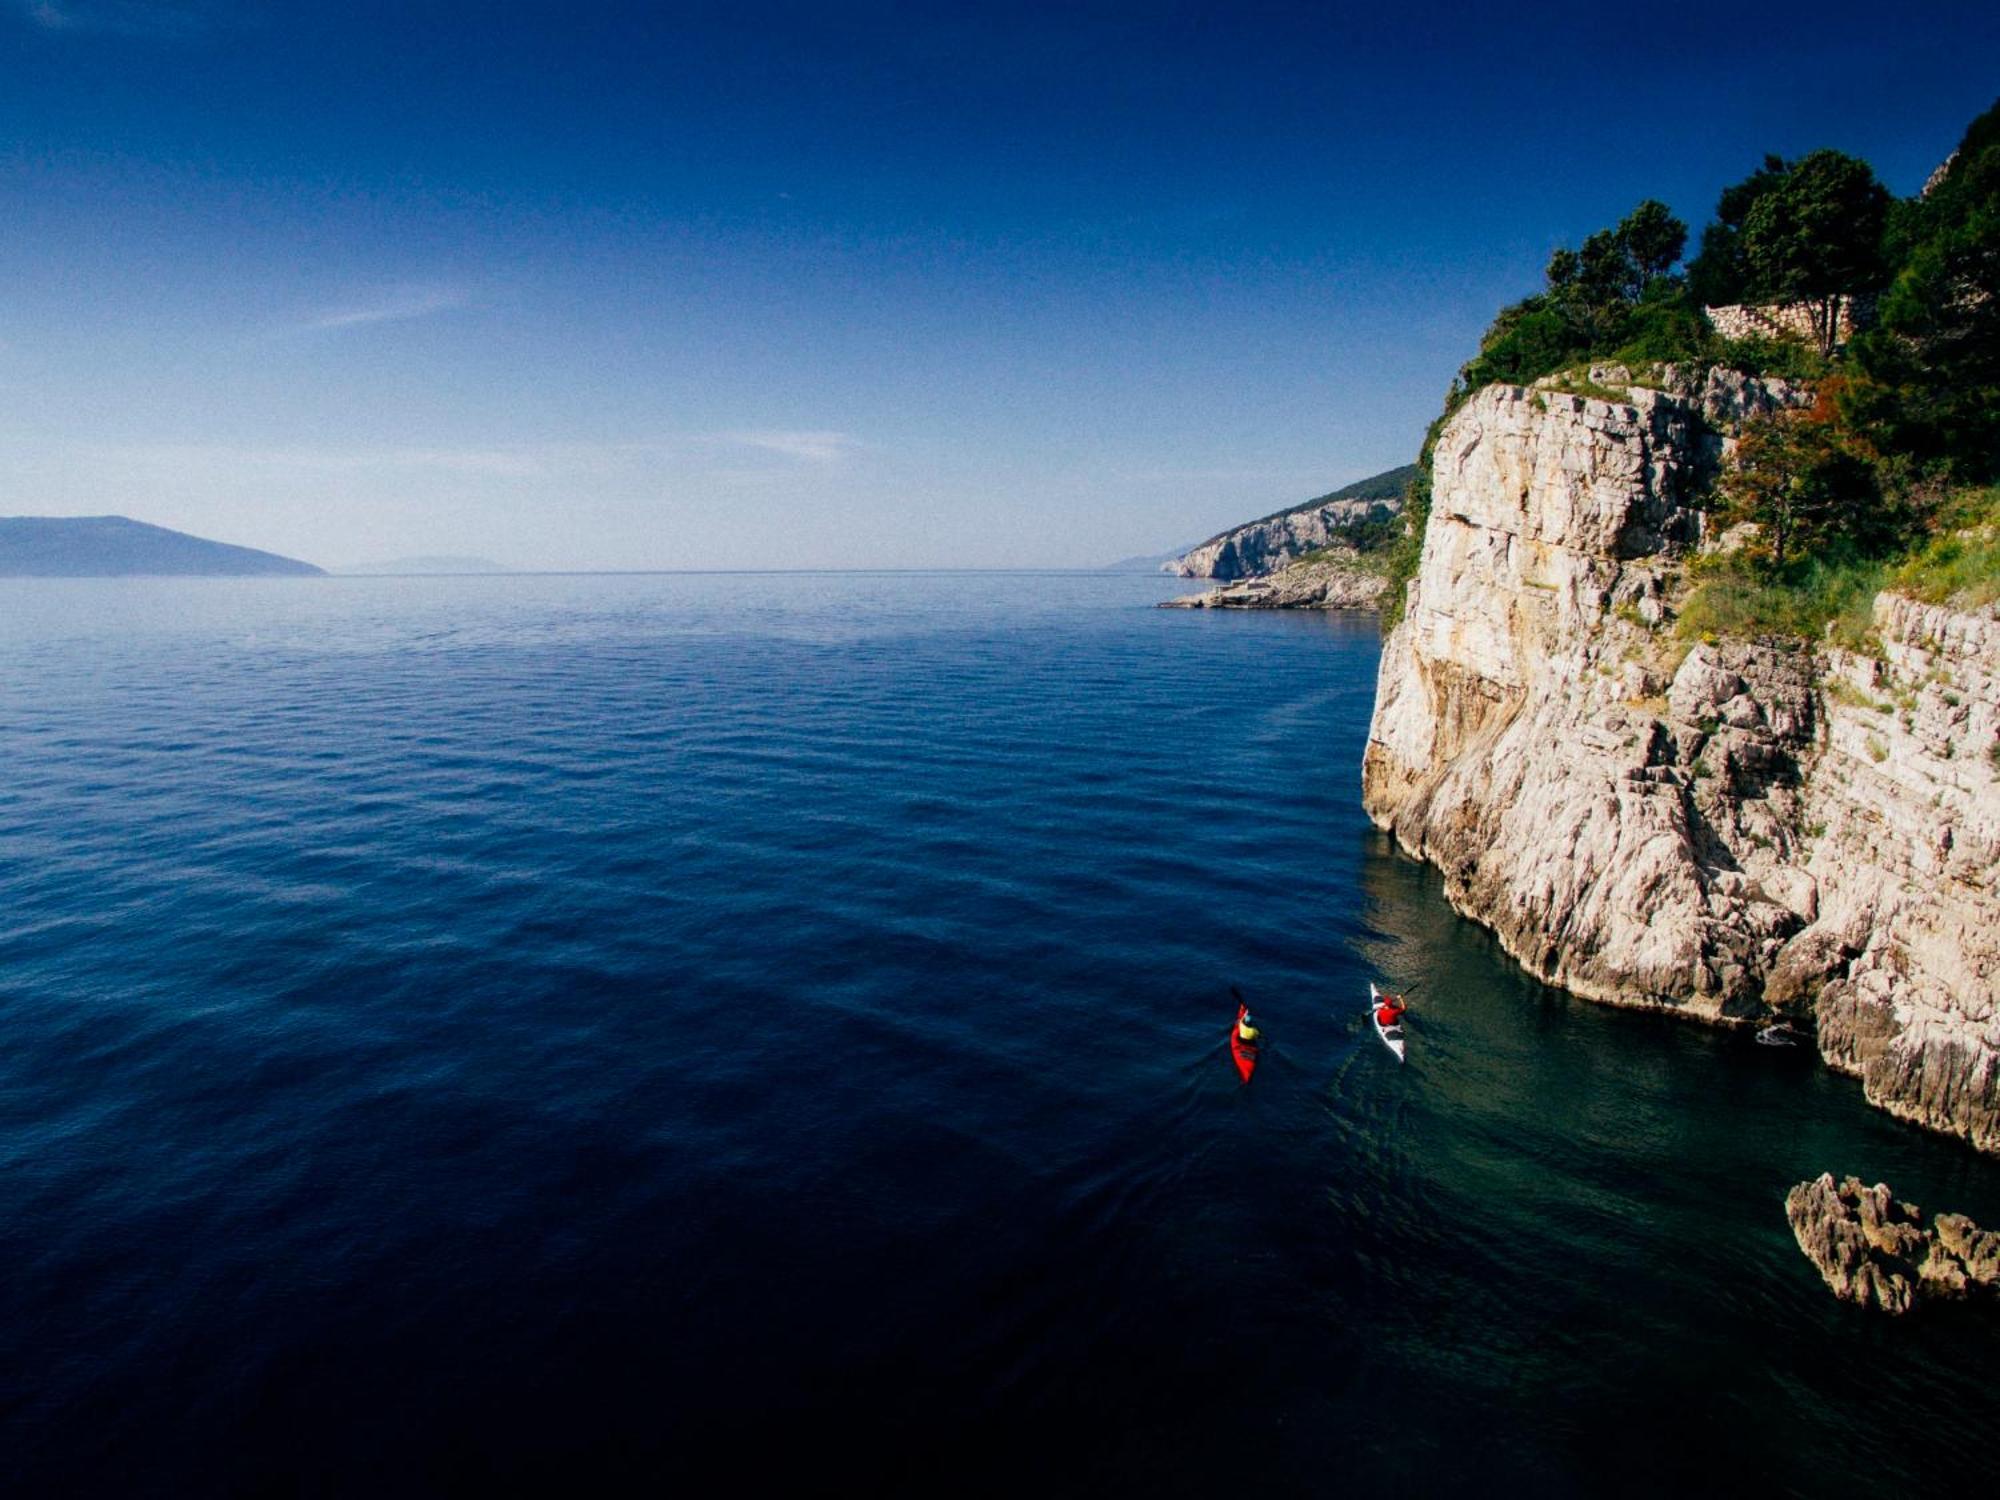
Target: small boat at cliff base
{"type": "Point", "coordinates": [1391, 1034]}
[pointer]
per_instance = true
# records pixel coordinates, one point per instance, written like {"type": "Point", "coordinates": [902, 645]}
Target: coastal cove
{"type": "Point", "coordinates": [537, 1031]}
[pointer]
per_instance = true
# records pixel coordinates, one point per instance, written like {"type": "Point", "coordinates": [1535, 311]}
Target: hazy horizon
{"type": "Point", "coordinates": [774, 287]}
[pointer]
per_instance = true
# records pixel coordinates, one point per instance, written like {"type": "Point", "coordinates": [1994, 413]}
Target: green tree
{"type": "Point", "coordinates": [1618, 283]}
{"type": "Point", "coordinates": [1815, 236]}
{"type": "Point", "coordinates": [1933, 360]}
{"type": "Point", "coordinates": [1719, 275]}
{"type": "Point", "coordinates": [1798, 479]}
{"type": "Point", "coordinates": [1652, 239]}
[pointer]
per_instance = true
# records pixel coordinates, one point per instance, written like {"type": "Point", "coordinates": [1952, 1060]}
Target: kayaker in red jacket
{"type": "Point", "coordinates": [1390, 1011]}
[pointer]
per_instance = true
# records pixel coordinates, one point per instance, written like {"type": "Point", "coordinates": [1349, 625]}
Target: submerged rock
{"type": "Point", "coordinates": [1877, 1252]}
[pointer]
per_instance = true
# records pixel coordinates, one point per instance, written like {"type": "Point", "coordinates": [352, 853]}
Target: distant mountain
{"type": "Point", "coordinates": [1357, 515]}
{"type": "Point", "coordinates": [1158, 562]}
{"type": "Point", "coordinates": [423, 567]}
{"type": "Point", "coordinates": [117, 547]}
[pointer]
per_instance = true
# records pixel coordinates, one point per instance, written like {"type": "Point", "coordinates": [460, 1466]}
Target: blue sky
{"type": "Point", "coordinates": [832, 285]}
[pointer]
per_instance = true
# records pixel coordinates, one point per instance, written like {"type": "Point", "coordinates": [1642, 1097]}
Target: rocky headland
{"type": "Point", "coordinates": [1719, 829]}
{"type": "Point", "coordinates": [1877, 1252]}
{"type": "Point", "coordinates": [1273, 542]}
{"type": "Point", "coordinates": [1337, 579]}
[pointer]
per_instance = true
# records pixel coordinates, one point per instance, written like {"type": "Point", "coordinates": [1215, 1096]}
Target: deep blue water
{"type": "Point", "coordinates": [587, 1034]}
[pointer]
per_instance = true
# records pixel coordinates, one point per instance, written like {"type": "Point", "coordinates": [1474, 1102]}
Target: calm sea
{"type": "Point", "coordinates": [588, 1035]}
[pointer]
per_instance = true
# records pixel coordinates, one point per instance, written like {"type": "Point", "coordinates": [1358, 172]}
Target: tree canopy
{"type": "Point", "coordinates": [1799, 477]}
{"type": "Point", "coordinates": [1807, 231]}
{"type": "Point", "coordinates": [1932, 363]}
{"type": "Point", "coordinates": [1907, 421]}
{"type": "Point", "coordinates": [1591, 302]}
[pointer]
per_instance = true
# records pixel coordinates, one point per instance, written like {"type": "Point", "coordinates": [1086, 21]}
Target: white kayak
{"type": "Point", "coordinates": [1392, 1036]}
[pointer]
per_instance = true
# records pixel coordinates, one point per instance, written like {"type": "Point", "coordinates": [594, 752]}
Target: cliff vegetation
{"type": "Point", "coordinates": [1886, 478]}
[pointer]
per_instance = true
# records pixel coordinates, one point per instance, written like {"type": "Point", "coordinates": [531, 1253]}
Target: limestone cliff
{"type": "Point", "coordinates": [1903, 801]}
{"type": "Point", "coordinates": [1713, 833]}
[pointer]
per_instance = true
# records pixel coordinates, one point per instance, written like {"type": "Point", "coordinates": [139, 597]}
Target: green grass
{"type": "Point", "coordinates": [1735, 598]}
{"type": "Point", "coordinates": [1957, 562]}
{"type": "Point", "coordinates": [1577, 382]}
{"type": "Point", "coordinates": [1374, 561]}
{"type": "Point", "coordinates": [1853, 697]}
{"type": "Point", "coordinates": [1960, 563]}
{"type": "Point", "coordinates": [1787, 359]}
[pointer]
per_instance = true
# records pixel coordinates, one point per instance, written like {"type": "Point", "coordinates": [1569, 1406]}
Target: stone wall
{"type": "Point", "coordinates": [1787, 320]}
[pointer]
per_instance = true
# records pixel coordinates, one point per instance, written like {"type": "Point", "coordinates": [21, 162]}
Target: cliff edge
{"type": "Point", "coordinates": [1717, 831]}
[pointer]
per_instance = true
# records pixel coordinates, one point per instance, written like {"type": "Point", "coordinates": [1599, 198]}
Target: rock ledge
{"type": "Point", "coordinates": [1334, 582]}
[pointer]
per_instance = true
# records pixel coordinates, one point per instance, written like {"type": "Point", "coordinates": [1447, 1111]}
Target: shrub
{"type": "Point", "coordinates": [1786, 359]}
{"type": "Point", "coordinates": [1798, 477]}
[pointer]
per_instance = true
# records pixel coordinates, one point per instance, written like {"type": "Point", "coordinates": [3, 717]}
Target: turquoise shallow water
{"type": "Point", "coordinates": [604, 1032]}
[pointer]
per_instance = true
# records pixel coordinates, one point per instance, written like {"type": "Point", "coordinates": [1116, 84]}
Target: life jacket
{"type": "Point", "coordinates": [1390, 1013]}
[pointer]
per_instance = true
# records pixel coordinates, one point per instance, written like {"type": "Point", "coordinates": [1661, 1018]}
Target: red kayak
{"type": "Point", "coordinates": [1244, 1053]}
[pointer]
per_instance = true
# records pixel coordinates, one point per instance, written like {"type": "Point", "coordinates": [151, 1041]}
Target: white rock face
{"type": "Point", "coordinates": [1275, 542]}
{"type": "Point", "coordinates": [1904, 958]}
{"type": "Point", "coordinates": [1710, 836]}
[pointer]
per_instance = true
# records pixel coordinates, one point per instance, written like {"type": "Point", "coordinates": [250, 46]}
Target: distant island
{"type": "Point", "coordinates": [1157, 562]}
{"type": "Point", "coordinates": [429, 566]}
{"type": "Point", "coordinates": [119, 547]}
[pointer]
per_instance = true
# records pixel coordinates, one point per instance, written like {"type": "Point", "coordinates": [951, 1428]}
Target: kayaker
{"type": "Point", "coordinates": [1390, 1011]}
{"type": "Point", "coordinates": [1245, 1032]}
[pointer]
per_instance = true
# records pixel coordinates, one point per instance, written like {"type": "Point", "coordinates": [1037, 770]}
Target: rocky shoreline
{"type": "Point", "coordinates": [1338, 581]}
{"type": "Point", "coordinates": [1262, 547]}
{"type": "Point", "coordinates": [1718, 832]}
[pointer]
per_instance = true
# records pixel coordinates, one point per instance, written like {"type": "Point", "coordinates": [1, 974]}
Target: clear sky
{"type": "Point", "coordinates": [726, 285]}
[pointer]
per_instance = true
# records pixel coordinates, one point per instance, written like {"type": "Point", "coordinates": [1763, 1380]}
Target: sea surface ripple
{"type": "Point", "coordinates": [574, 1035]}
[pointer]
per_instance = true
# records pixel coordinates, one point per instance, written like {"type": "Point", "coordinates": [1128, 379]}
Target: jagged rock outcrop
{"type": "Point", "coordinates": [1275, 541]}
{"type": "Point", "coordinates": [1877, 1252]}
{"type": "Point", "coordinates": [1340, 581]}
{"type": "Point", "coordinates": [1751, 825]}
